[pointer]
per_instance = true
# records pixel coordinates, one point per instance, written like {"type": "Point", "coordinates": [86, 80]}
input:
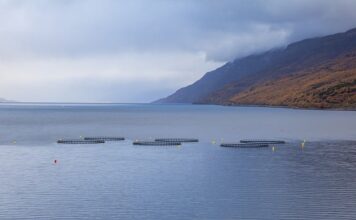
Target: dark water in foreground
{"type": "Point", "coordinates": [194, 181]}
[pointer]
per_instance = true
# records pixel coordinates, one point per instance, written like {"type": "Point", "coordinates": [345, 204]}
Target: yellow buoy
{"type": "Point", "coordinates": [273, 148]}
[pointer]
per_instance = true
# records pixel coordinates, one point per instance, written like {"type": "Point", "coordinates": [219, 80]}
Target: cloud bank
{"type": "Point", "coordinates": [140, 50]}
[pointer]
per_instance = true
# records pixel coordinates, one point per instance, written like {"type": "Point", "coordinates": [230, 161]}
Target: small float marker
{"type": "Point", "coordinates": [302, 144]}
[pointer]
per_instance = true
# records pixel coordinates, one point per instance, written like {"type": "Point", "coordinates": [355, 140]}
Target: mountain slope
{"type": "Point", "coordinates": [237, 82]}
{"type": "Point", "coordinates": [331, 85]}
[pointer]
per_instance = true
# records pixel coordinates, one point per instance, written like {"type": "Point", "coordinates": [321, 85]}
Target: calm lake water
{"type": "Point", "coordinates": [194, 181]}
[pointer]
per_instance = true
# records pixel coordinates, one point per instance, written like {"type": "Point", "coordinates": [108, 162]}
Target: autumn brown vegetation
{"type": "Point", "coordinates": [331, 85]}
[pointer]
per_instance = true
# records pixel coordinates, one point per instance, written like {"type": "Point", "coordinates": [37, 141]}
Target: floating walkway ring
{"type": "Point", "coordinates": [104, 138]}
{"type": "Point", "coordinates": [156, 143]}
{"type": "Point", "coordinates": [75, 141]}
{"type": "Point", "coordinates": [177, 140]}
{"type": "Point", "coordinates": [246, 145]}
{"type": "Point", "coordinates": [262, 141]}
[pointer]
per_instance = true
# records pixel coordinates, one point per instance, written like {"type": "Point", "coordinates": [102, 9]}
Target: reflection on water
{"type": "Point", "coordinates": [195, 181]}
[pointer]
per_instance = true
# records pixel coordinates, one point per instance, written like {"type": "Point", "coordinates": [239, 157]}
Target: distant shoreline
{"type": "Point", "coordinates": [226, 105]}
{"type": "Point", "coordinates": [74, 103]}
{"type": "Point", "coordinates": [260, 105]}
{"type": "Point", "coordinates": [292, 107]}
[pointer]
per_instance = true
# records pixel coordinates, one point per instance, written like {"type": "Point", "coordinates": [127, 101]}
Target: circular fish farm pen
{"type": "Point", "coordinates": [181, 140]}
{"type": "Point", "coordinates": [245, 145]}
{"type": "Point", "coordinates": [80, 141]}
{"type": "Point", "coordinates": [262, 141]}
{"type": "Point", "coordinates": [156, 143]}
{"type": "Point", "coordinates": [104, 138]}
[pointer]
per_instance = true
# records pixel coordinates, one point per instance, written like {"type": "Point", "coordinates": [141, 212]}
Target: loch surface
{"type": "Point", "coordinates": [117, 180]}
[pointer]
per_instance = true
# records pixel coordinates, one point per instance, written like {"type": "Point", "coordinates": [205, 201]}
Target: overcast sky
{"type": "Point", "coordinates": [141, 50]}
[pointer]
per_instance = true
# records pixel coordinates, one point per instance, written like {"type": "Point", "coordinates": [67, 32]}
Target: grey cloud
{"type": "Point", "coordinates": [156, 45]}
{"type": "Point", "coordinates": [81, 28]}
